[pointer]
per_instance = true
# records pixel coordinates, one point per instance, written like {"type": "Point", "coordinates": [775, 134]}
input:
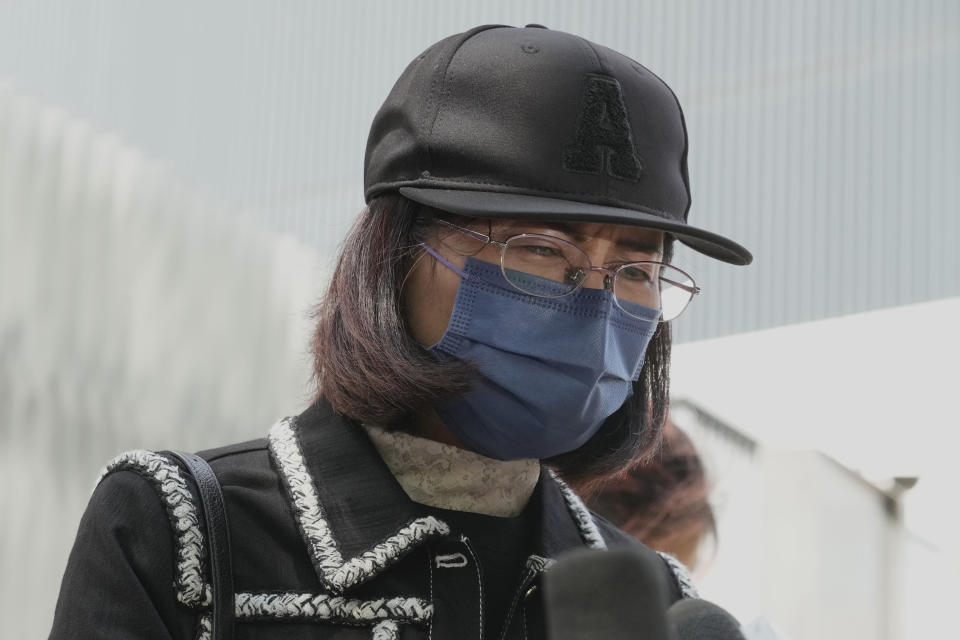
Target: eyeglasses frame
{"type": "Point", "coordinates": [609, 274]}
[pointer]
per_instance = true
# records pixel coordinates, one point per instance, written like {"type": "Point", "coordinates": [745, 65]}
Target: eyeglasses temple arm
{"type": "Point", "coordinates": [469, 232]}
{"type": "Point", "coordinates": [694, 290]}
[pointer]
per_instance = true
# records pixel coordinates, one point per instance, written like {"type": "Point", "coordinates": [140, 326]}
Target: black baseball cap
{"type": "Point", "coordinates": [532, 123]}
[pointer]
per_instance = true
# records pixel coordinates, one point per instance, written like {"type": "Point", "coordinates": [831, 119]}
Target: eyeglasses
{"type": "Point", "coordinates": [548, 267]}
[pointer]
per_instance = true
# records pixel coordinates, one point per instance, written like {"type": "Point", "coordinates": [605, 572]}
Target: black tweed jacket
{"type": "Point", "coordinates": [325, 545]}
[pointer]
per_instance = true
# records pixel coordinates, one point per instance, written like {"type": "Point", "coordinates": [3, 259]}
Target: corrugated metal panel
{"type": "Point", "coordinates": [823, 133]}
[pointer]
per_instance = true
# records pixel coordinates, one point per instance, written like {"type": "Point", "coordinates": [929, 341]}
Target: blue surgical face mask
{"type": "Point", "coordinates": [551, 369]}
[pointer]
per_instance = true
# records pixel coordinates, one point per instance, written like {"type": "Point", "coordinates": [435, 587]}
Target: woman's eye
{"type": "Point", "coordinates": [542, 251]}
{"type": "Point", "coordinates": [635, 274]}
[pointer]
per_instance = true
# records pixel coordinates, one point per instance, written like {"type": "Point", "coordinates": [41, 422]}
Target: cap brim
{"type": "Point", "coordinates": [512, 205]}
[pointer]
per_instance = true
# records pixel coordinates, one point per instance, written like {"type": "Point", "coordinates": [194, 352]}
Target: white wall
{"type": "Point", "coordinates": [808, 546]}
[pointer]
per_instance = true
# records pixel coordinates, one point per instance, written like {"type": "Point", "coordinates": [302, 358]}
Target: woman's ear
{"type": "Point", "coordinates": [416, 264]}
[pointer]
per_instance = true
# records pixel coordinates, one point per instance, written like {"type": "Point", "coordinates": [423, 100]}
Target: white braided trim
{"type": "Point", "coordinates": [286, 451]}
{"type": "Point", "coordinates": [386, 630]}
{"type": "Point", "coordinates": [369, 562]}
{"type": "Point", "coordinates": [539, 564]}
{"type": "Point", "coordinates": [205, 628]}
{"type": "Point", "coordinates": [581, 515]}
{"type": "Point", "coordinates": [682, 575]}
{"type": "Point", "coordinates": [312, 606]}
{"type": "Point", "coordinates": [337, 573]}
{"type": "Point", "coordinates": [184, 519]}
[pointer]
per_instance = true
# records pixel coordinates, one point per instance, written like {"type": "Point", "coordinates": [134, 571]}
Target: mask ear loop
{"type": "Point", "coordinates": [444, 261]}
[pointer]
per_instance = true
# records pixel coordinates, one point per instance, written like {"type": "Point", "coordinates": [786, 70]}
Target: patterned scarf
{"type": "Point", "coordinates": [448, 477]}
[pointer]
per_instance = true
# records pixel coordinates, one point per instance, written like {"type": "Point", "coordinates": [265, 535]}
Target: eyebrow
{"type": "Point", "coordinates": [639, 245]}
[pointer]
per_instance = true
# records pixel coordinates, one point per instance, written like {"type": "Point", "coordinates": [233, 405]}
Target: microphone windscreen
{"type": "Point", "coordinates": [695, 619]}
{"type": "Point", "coordinates": [619, 594]}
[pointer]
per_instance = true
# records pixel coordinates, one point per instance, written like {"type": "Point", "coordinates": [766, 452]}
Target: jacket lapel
{"type": "Point", "coordinates": [565, 522]}
{"type": "Point", "coordinates": [357, 521]}
{"type": "Point", "coordinates": [353, 516]}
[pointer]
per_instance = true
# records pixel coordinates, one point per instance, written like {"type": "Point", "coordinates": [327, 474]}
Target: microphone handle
{"type": "Point", "coordinates": [619, 594]}
{"type": "Point", "coordinates": [695, 619]}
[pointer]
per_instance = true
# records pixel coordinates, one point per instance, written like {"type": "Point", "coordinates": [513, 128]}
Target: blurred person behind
{"type": "Point", "coordinates": [662, 501]}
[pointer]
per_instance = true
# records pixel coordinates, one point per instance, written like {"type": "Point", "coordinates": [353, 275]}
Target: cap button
{"type": "Point", "coordinates": [534, 26]}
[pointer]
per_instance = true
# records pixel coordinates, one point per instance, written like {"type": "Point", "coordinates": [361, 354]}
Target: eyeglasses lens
{"type": "Point", "coordinates": [551, 268]}
{"type": "Point", "coordinates": [558, 267]}
{"type": "Point", "coordinates": [675, 290]}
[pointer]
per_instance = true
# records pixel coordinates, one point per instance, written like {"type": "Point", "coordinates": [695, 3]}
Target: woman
{"type": "Point", "coordinates": [502, 300]}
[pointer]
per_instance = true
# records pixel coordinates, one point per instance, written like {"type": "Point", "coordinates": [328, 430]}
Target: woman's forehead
{"type": "Point", "coordinates": [620, 233]}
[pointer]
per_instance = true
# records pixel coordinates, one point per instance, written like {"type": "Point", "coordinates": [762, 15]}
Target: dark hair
{"type": "Point", "coordinates": [370, 369]}
{"type": "Point", "coordinates": [662, 501]}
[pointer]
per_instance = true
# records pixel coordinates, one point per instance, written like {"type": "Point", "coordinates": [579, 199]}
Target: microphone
{"type": "Point", "coordinates": [619, 594]}
{"type": "Point", "coordinates": [701, 620]}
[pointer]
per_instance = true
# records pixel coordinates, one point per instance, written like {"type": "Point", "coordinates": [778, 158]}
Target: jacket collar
{"type": "Point", "coordinates": [355, 518]}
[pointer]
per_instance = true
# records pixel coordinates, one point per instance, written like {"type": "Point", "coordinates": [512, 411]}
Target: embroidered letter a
{"type": "Point", "coordinates": [603, 140]}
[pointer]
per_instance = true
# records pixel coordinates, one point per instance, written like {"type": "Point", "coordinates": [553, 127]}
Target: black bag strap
{"type": "Point", "coordinates": [218, 537]}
